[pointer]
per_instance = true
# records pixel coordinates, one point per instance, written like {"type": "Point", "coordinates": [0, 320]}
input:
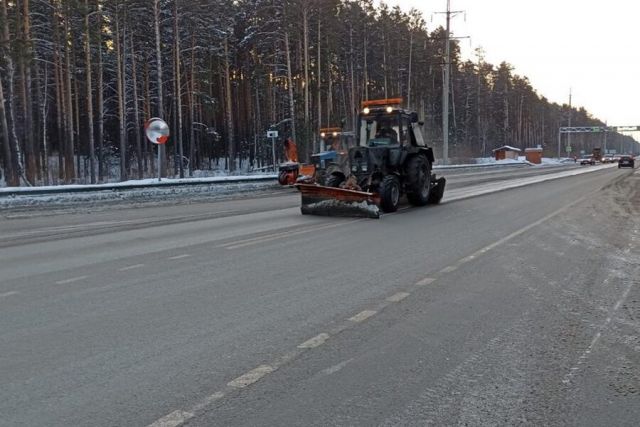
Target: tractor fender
{"type": "Point", "coordinates": [427, 151]}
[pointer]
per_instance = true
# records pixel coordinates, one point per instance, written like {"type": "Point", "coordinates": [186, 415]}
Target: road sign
{"type": "Point", "coordinates": [583, 129]}
{"type": "Point", "coordinates": [272, 134]}
{"type": "Point", "coordinates": [157, 131]}
{"type": "Point", "coordinates": [568, 148]}
{"type": "Point", "coordinates": [627, 128]}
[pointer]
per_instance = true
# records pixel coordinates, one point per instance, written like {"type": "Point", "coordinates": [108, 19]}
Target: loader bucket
{"type": "Point", "coordinates": [331, 201]}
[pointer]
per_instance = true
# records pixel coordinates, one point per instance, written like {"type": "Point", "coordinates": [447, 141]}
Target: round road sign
{"type": "Point", "coordinates": [157, 131]}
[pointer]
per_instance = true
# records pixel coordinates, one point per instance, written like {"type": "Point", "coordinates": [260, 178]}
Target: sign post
{"type": "Point", "coordinates": [273, 134]}
{"type": "Point", "coordinates": [157, 132]}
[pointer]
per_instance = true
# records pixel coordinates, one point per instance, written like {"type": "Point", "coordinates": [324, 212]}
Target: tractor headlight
{"type": "Point", "coordinates": [389, 109]}
{"type": "Point", "coordinates": [366, 110]}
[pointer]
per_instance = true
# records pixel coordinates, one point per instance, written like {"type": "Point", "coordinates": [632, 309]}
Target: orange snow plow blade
{"type": "Point", "coordinates": [331, 201]}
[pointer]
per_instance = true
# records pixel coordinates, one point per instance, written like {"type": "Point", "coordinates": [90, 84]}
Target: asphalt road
{"type": "Point", "coordinates": [520, 306]}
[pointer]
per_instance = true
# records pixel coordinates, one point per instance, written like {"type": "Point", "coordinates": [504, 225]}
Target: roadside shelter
{"type": "Point", "coordinates": [506, 152]}
{"type": "Point", "coordinates": [533, 155]}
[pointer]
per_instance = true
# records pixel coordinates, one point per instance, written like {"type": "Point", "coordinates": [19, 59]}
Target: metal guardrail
{"type": "Point", "coordinates": [36, 191]}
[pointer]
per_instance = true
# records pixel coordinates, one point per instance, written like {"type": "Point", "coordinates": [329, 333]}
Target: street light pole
{"type": "Point", "coordinates": [569, 134]}
{"type": "Point", "coordinates": [445, 89]}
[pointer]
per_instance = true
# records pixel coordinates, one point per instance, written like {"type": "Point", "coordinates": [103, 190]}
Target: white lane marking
{"type": "Point", "coordinates": [426, 281]}
{"type": "Point", "coordinates": [174, 419]}
{"type": "Point", "coordinates": [207, 401]}
{"type": "Point", "coordinates": [478, 190]}
{"type": "Point", "coordinates": [449, 269]}
{"type": "Point", "coordinates": [179, 257]}
{"type": "Point", "coordinates": [316, 341]}
{"type": "Point", "coordinates": [335, 368]}
{"type": "Point", "coordinates": [525, 229]}
{"type": "Point", "coordinates": [73, 279]}
{"type": "Point", "coordinates": [467, 259]}
{"type": "Point", "coordinates": [583, 357]}
{"type": "Point", "coordinates": [8, 294]}
{"type": "Point", "coordinates": [131, 267]}
{"type": "Point", "coordinates": [362, 316]}
{"type": "Point", "coordinates": [398, 297]}
{"type": "Point", "coordinates": [269, 237]}
{"type": "Point", "coordinates": [251, 377]}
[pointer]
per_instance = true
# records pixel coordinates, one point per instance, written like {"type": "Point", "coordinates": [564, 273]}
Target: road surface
{"type": "Point", "coordinates": [515, 307]}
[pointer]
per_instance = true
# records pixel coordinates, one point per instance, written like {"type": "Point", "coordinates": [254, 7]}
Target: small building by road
{"type": "Point", "coordinates": [533, 155]}
{"type": "Point", "coordinates": [506, 152]}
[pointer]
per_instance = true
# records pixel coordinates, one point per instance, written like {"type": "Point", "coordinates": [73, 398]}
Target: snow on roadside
{"type": "Point", "coordinates": [150, 182]}
{"type": "Point", "coordinates": [101, 199]}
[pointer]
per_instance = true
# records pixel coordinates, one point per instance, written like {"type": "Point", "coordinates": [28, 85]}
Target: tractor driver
{"type": "Point", "coordinates": [387, 133]}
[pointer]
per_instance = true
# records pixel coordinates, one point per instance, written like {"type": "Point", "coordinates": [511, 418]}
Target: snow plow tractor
{"type": "Point", "coordinates": [391, 160]}
{"type": "Point", "coordinates": [332, 157]}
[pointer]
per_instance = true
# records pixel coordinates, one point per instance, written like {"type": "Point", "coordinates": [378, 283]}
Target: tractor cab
{"type": "Point", "coordinates": [331, 139]}
{"type": "Point", "coordinates": [383, 123]}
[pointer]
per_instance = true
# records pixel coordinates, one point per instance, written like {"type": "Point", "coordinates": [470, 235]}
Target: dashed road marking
{"type": "Point", "coordinates": [426, 281]}
{"type": "Point", "coordinates": [583, 357]}
{"type": "Point", "coordinates": [316, 341]}
{"type": "Point", "coordinates": [179, 257]}
{"type": "Point", "coordinates": [467, 259]}
{"type": "Point", "coordinates": [335, 368]}
{"type": "Point", "coordinates": [251, 377]}
{"type": "Point", "coordinates": [71, 280]}
{"type": "Point", "coordinates": [207, 401]}
{"type": "Point", "coordinates": [8, 294]}
{"type": "Point", "coordinates": [173, 419]}
{"type": "Point", "coordinates": [398, 297]}
{"type": "Point", "coordinates": [449, 269]}
{"type": "Point", "coordinates": [131, 267]}
{"type": "Point", "coordinates": [363, 315]}
{"type": "Point", "coordinates": [275, 236]}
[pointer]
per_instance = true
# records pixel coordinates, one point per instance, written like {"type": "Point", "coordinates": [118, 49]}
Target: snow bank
{"type": "Point", "coordinates": [140, 183]}
{"type": "Point", "coordinates": [97, 200]}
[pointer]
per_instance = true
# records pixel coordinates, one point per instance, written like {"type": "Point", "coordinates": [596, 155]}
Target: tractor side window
{"type": "Point", "coordinates": [405, 139]}
{"type": "Point", "coordinates": [367, 131]}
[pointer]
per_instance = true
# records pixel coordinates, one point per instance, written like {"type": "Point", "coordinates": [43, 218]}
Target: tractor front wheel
{"type": "Point", "coordinates": [390, 193]}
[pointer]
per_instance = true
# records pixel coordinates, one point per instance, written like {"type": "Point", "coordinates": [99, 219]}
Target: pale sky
{"type": "Point", "coordinates": [590, 46]}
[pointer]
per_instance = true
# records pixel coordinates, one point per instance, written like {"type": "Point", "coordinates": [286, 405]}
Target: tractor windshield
{"type": "Point", "coordinates": [379, 131]}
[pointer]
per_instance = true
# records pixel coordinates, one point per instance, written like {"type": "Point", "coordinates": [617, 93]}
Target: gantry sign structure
{"type": "Point", "coordinates": [592, 129]}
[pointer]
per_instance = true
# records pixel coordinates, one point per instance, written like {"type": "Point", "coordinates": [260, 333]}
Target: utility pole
{"type": "Point", "coordinates": [446, 82]}
{"type": "Point", "coordinates": [569, 135]}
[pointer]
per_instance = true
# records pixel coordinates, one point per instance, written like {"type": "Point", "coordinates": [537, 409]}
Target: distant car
{"type": "Point", "coordinates": [626, 162]}
{"type": "Point", "coordinates": [587, 161]}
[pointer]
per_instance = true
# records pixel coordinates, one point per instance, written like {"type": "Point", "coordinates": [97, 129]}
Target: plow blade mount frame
{"type": "Point", "coordinates": [332, 201]}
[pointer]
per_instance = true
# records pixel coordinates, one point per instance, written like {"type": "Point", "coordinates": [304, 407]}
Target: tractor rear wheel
{"type": "Point", "coordinates": [390, 193]}
{"type": "Point", "coordinates": [419, 180]}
